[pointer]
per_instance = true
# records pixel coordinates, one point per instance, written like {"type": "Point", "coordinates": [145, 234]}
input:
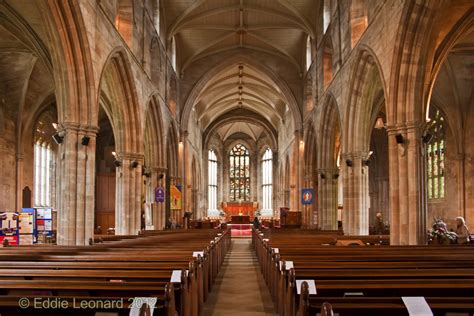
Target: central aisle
{"type": "Point", "coordinates": [239, 289]}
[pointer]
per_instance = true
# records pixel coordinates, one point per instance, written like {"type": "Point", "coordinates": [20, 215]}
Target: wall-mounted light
{"type": "Point", "coordinates": [366, 161]}
{"type": "Point", "coordinates": [399, 138]}
{"type": "Point", "coordinates": [335, 176]}
{"type": "Point", "coordinates": [85, 140]}
{"type": "Point", "coordinates": [322, 175]}
{"type": "Point", "coordinates": [58, 139]}
{"type": "Point", "coordinates": [146, 171]}
{"type": "Point", "coordinates": [349, 162]}
{"type": "Point", "coordinates": [379, 124]}
{"type": "Point", "coordinates": [117, 161]}
{"type": "Point", "coordinates": [134, 164]}
{"type": "Point", "coordinates": [427, 138]}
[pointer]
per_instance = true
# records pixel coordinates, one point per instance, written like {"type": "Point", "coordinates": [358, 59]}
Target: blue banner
{"type": "Point", "coordinates": [307, 196]}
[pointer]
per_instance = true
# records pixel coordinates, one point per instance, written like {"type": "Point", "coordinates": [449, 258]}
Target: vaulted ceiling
{"type": "Point", "coordinates": [240, 86]}
{"type": "Point", "coordinates": [206, 27]}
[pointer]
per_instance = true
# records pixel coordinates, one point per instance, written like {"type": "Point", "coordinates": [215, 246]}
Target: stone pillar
{"type": "Point", "coordinates": [296, 174]}
{"type": "Point", "coordinates": [307, 210]}
{"type": "Point", "coordinates": [407, 188]}
{"type": "Point", "coordinates": [461, 162]}
{"type": "Point", "coordinates": [355, 218]}
{"type": "Point", "coordinates": [327, 198]}
{"type": "Point", "coordinates": [128, 194]}
{"type": "Point", "coordinates": [19, 182]}
{"type": "Point", "coordinates": [76, 184]}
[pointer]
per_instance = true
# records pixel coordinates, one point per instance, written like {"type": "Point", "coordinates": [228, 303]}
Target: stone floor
{"type": "Point", "coordinates": [239, 289]}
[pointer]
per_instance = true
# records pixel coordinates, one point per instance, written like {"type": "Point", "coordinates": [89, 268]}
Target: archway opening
{"type": "Point", "coordinates": [107, 162]}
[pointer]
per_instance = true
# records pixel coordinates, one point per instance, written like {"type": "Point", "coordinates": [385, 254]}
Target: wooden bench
{"type": "Point", "coordinates": [385, 271]}
{"type": "Point", "coordinates": [121, 269]}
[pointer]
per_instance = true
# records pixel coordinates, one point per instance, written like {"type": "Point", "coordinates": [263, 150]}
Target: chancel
{"type": "Point", "coordinates": [236, 157]}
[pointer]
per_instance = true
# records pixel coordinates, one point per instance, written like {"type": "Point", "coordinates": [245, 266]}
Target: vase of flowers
{"type": "Point", "coordinates": [439, 233]}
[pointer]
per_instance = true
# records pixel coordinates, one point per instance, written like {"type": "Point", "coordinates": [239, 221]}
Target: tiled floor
{"type": "Point", "coordinates": [239, 289]}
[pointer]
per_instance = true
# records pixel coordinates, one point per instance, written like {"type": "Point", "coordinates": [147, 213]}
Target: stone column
{"type": "Point", "coordinates": [296, 173]}
{"type": "Point", "coordinates": [355, 218]}
{"type": "Point", "coordinates": [327, 198]}
{"type": "Point", "coordinates": [407, 188]}
{"type": "Point", "coordinates": [76, 184]}
{"type": "Point", "coordinates": [128, 194]}
{"type": "Point", "coordinates": [307, 209]}
{"type": "Point", "coordinates": [19, 182]}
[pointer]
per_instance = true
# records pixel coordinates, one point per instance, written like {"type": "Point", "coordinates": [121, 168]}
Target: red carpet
{"type": "Point", "coordinates": [241, 230]}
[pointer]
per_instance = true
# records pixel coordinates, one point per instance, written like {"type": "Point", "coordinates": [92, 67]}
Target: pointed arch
{"type": "Point", "coordinates": [118, 87]}
{"type": "Point", "coordinates": [366, 86]}
{"type": "Point", "coordinates": [329, 134]}
{"type": "Point", "coordinates": [154, 133]}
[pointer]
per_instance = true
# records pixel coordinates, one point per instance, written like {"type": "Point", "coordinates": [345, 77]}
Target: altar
{"type": "Point", "coordinates": [239, 209]}
{"type": "Point", "coordinates": [240, 219]}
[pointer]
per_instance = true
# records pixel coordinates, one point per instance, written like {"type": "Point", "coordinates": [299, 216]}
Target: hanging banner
{"type": "Point", "coordinates": [159, 194]}
{"type": "Point", "coordinates": [307, 196]}
{"type": "Point", "coordinates": [175, 197]}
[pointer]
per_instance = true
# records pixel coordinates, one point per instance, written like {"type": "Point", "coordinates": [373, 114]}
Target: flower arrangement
{"type": "Point", "coordinates": [439, 233]}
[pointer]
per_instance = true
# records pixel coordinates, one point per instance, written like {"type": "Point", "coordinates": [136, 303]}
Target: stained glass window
{"type": "Point", "coordinates": [267, 179]}
{"type": "Point", "coordinates": [239, 171]}
{"type": "Point", "coordinates": [212, 179]}
{"type": "Point", "coordinates": [435, 153]}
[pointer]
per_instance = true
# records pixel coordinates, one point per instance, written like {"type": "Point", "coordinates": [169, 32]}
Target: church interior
{"type": "Point", "coordinates": [236, 157]}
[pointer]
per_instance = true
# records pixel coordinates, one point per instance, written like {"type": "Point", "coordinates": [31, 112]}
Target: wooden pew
{"type": "Point", "coordinates": [374, 270]}
{"type": "Point", "coordinates": [135, 266]}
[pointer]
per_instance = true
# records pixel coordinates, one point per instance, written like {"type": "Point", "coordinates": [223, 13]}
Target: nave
{"type": "Point", "coordinates": [240, 288]}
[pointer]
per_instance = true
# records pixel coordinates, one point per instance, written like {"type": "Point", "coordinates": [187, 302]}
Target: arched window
{"type": "Point", "coordinates": [435, 153]}
{"type": "Point", "coordinates": [157, 16]}
{"type": "Point", "coordinates": [43, 159]}
{"type": "Point", "coordinates": [173, 53]}
{"type": "Point", "coordinates": [326, 15]}
{"type": "Point", "coordinates": [267, 180]}
{"type": "Point", "coordinates": [212, 180]}
{"type": "Point", "coordinates": [239, 174]}
{"type": "Point", "coordinates": [309, 57]}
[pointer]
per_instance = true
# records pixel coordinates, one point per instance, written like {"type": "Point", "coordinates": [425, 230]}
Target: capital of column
{"type": "Point", "coordinates": [402, 128]}
{"type": "Point", "coordinates": [79, 128]}
{"type": "Point", "coordinates": [131, 156]}
{"type": "Point", "coordinates": [355, 155]}
{"type": "Point", "coordinates": [298, 134]}
{"type": "Point", "coordinates": [159, 169]}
